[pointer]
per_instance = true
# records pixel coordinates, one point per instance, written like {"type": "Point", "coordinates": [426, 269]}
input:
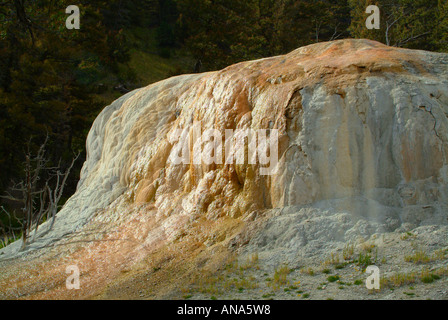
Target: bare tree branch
{"type": "Point", "coordinates": [335, 35]}
{"type": "Point", "coordinates": [39, 199]}
{"type": "Point", "coordinates": [318, 26]}
{"type": "Point", "coordinates": [411, 38]}
{"type": "Point", "coordinates": [390, 25]}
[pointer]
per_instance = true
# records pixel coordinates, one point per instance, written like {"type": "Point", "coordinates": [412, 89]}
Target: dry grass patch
{"type": "Point", "coordinates": [280, 277]}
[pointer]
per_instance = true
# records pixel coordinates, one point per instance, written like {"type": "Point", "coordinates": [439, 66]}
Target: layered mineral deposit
{"type": "Point", "coordinates": [361, 146]}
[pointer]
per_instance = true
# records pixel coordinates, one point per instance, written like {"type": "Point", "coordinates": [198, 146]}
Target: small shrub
{"type": "Point", "coordinates": [326, 271]}
{"type": "Point", "coordinates": [358, 282]}
{"type": "Point", "coordinates": [367, 247]}
{"type": "Point", "coordinates": [252, 262]}
{"type": "Point", "coordinates": [254, 258]}
{"type": "Point", "coordinates": [340, 266]}
{"type": "Point", "coordinates": [365, 259]}
{"type": "Point", "coordinates": [440, 254]}
{"type": "Point", "coordinates": [428, 277]}
{"type": "Point", "coordinates": [334, 258]}
{"type": "Point", "coordinates": [293, 288]}
{"type": "Point", "coordinates": [333, 278]}
{"type": "Point", "coordinates": [280, 277]}
{"type": "Point", "coordinates": [399, 279]}
{"type": "Point", "coordinates": [308, 271]}
{"type": "Point", "coordinates": [348, 251]}
{"type": "Point", "coordinates": [407, 235]}
{"type": "Point", "coordinates": [419, 256]}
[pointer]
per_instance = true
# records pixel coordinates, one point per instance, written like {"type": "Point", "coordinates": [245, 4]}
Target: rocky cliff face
{"type": "Point", "coordinates": [361, 145]}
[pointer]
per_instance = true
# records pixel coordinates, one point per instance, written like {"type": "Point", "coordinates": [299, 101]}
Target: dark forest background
{"type": "Point", "coordinates": [55, 81]}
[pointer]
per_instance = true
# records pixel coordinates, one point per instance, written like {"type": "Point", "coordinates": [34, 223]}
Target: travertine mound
{"type": "Point", "coordinates": [363, 143]}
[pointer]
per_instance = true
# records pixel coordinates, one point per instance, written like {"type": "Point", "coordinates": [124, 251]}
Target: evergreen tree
{"type": "Point", "coordinates": [47, 79]}
{"type": "Point", "coordinates": [440, 34]}
{"type": "Point", "coordinates": [416, 24]}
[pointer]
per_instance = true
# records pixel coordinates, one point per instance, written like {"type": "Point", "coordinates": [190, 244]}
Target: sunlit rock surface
{"type": "Point", "coordinates": [362, 149]}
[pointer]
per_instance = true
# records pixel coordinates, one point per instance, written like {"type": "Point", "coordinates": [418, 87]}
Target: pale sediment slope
{"type": "Point", "coordinates": [363, 143]}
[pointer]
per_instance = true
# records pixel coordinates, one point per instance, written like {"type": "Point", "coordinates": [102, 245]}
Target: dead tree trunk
{"type": "Point", "coordinates": [31, 191]}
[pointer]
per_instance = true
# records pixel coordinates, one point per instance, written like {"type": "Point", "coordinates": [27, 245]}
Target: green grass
{"type": "Point", "coordinates": [147, 65]}
{"type": "Point", "coordinates": [144, 67]}
{"type": "Point", "coordinates": [150, 68]}
{"type": "Point", "coordinates": [365, 259]}
{"type": "Point", "coordinates": [428, 277]}
{"type": "Point", "coordinates": [293, 288]}
{"type": "Point", "coordinates": [333, 278]}
{"type": "Point", "coordinates": [6, 241]}
{"type": "Point", "coordinates": [358, 282]}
